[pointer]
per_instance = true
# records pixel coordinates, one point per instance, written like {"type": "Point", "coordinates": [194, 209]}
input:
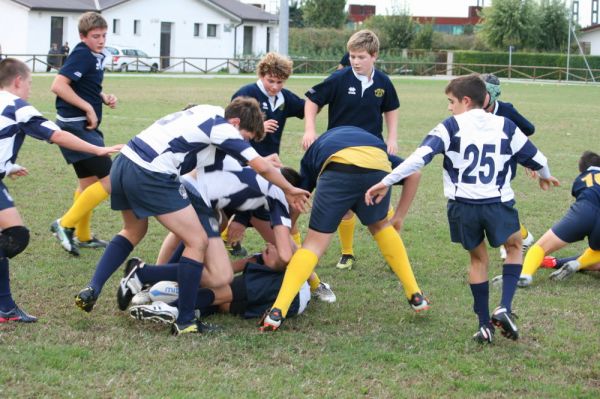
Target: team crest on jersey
{"type": "Point", "coordinates": [379, 92]}
{"type": "Point", "coordinates": [352, 90]}
{"type": "Point", "coordinates": [214, 224]}
{"type": "Point", "coordinates": [182, 192]}
{"type": "Point", "coordinates": [265, 105]}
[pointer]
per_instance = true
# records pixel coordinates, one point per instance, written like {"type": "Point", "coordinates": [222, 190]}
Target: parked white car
{"type": "Point", "coordinates": [126, 59]}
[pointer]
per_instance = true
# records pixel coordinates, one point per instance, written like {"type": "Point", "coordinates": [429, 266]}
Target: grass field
{"type": "Point", "coordinates": [369, 343]}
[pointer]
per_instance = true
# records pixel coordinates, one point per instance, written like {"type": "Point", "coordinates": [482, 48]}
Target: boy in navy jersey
{"type": "Point", "coordinates": [18, 120]}
{"type": "Point", "coordinates": [277, 104]}
{"type": "Point", "coordinates": [359, 96]}
{"type": "Point", "coordinates": [479, 150]}
{"type": "Point", "coordinates": [79, 99]}
{"type": "Point", "coordinates": [507, 110]}
{"type": "Point", "coordinates": [581, 220]}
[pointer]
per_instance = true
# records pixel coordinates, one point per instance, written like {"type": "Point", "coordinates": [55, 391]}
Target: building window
{"type": "Point", "coordinates": [211, 30]}
{"type": "Point", "coordinates": [575, 11]}
{"type": "Point", "coordinates": [137, 26]}
{"type": "Point", "coordinates": [594, 12]}
{"type": "Point", "coordinates": [197, 30]}
{"type": "Point", "coordinates": [116, 26]}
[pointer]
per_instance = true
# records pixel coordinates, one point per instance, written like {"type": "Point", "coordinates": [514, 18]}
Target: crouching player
{"type": "Point", "coordinates": [581, 220]}
{"type": "Point", "coordinates": [249, 294]}
{"type": "Point", "coordinates": [19, 119]}
{"type": "Point", "coordinates": [342, 164]}
{"type": "Point", "coordinates": [479, 149]}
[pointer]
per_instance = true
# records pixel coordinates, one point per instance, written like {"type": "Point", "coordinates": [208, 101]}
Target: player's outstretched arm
{"type": "Point", "coordinates": [310, 119]}
{"type": "Point", "coordinates": [376, 193]}
{"type": "Point", "coordinates": [546, 183]}
{"type": "Point", "coordinates": [67, 140]}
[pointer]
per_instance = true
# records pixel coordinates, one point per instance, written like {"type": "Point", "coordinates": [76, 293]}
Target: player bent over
{"type": "Point", "coordinates": [342, 164]}
{"type": "Point", "coordinates": [145, 182]}
{"type": "Point", "coordinates": [581, 220]}
{"type": "Point", "coordinates": [479, 149]}
{"type": "Point", "coordinates": [19, 119]}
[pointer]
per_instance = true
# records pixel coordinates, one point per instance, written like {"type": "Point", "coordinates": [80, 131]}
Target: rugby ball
{"type": "Point", "coordinates": [164, 291]}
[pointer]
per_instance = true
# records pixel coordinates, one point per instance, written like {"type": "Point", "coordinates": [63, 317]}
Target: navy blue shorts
{"type": "Point", "coordinates": [146, 193]}
{"type": "Point", "coordinates": [338, 192]}
{"type": "Point", "coordinates": [206, 215]}
{"type": "Point", "coordinates": [581, 220]}
{"type": "Point", "coordinates": [471, 223]}
{"type": "Point", "coordinates": [6, 200]}
{"type": "Point", "coordinates": [78, 129]}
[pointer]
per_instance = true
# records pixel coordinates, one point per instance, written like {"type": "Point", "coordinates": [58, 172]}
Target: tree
{"type": "Point", "coordinates": [511, 22]}
{"type": "Point", "coordinates": [424, 37]}
{"type": "Point", "coordinates": [296, 17]}
{"type": "Point", "coordinates": [554, 25]}
{"type": "Point", "coordinates": [396, 31]}
{"type": "Point", "coordinates": [324, 13]}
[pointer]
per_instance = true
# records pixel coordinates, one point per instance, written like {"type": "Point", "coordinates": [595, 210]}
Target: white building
{"type": "Point", "coordinates": [216, 29]}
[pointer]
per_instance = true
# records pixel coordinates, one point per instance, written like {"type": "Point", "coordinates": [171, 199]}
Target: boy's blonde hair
{"type": "Point", "coordinates": [276, 65]}
{"type": "Point", "coordinates": [10, 68]}
{"type": "Point", "coordinates": [91, 20]}
{"type": "Point", "coordinates": [364, 40]}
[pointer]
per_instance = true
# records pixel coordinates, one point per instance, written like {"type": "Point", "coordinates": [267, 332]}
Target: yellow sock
{"type": "Point", "coordinates": [524, 232]}
{"type": "Point", "coordinates": [224, 234]}
{"type": "Point", "coordinates": [346, 233]}
{"type": "Point", "coordinates": [533, 260]}
{"type": "Point", "coordinates": [298, 270]}
{"type": "Point", "coordinates": [297, 239]}
{"type": "Point", "coordinates": [390, 212]}
{"type": "Point", "coordinates": [392, 248]}
{"type": "Point", "coordinates": [314, 282]}
{"type": "Point", "coordinates": [83, 228]}
{"type": "Point", "coordinates": [588, 258]}
{"type": "Point", "coordinates": [89, 198]}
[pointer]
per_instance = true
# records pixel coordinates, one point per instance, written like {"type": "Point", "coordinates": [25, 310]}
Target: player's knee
{"type": "Point", "coordinates": [14, 240]}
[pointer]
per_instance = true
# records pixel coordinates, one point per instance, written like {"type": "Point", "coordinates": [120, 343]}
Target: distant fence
{"type": "Point", "coordinates": [39, 63]}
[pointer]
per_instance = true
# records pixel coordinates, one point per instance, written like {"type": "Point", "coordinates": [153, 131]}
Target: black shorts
{"type": "Point", "coordinates": [97, 166]}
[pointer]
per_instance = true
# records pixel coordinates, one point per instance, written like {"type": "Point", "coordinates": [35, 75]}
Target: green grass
{"type": "Point", "coordinates": [369, 343]}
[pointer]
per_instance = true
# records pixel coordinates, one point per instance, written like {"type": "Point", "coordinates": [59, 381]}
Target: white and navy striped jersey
{"type": "Point", "coordinates": [479, 149]}
{"type": "Point", "coordinates": [239, 188]}
{"type": "Point", "coordinates": [181, 141]}
{"type": "Point", "coordinates": [17, 119]}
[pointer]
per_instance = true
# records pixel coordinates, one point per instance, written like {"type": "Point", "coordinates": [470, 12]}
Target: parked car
{"type": "Point", "coordinates": [130, 59]}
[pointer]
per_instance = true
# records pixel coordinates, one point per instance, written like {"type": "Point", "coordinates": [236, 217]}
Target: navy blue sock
{"type": "Point", "coordinates": [510, 278]}
{"type": "Point", "coordinates": [189, 273]}
{"type": "Point", "coordinates": [150, 274]}
{"type": "Point", "coordinates": [560, 262]}
{"type": "Point", "coordinates": [481, 298]}
{"type": "Point", "coordinates": [114, 255]}
{"type": "Point", "coordinates": [205, 298]}
{"type": "Point", "coordinates": [177, 253]}
{"type": "Point", "coordinates": [6, 301]}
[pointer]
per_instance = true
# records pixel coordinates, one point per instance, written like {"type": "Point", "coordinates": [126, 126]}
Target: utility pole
{"type": "Point", "coordinates": [284, 26]}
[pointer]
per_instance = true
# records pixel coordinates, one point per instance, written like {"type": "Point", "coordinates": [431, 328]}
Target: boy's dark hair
{"type": "Point", "coordinates": [471, 86]}
{"type": "Point", "coordinates": [91, 20]}
{"type": "Point", "coordinates": [291, 175]}
{"type": "Point", "coordinates": [10, 68]}
{"type": "Point", "coordinates": [251, 118]}
{"type": "Point", "coordinates": [588, 158]}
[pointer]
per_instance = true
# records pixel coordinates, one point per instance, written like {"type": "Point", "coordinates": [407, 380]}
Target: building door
{"type": "Point", "coordinates": [165, 44]}
{"type": "Point", "coordinates": [268, 48]}
{"type": "Point", "coordinates": [248, 36]}
{"type": "Point", "coordinates": [56, 31]}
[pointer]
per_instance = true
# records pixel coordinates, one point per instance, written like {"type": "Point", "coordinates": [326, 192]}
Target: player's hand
{"type": "Point", "coordinates": [235, 232]}
{"type": "Point", "coordinates": [546, 183]}
{"type": "Point", "coordinates": [308, 139]}
{"type": "Point", "coordinates": [397, 222]}
{"type": "Point", "coordinates": [531, 173]}
{"type": "Point", "coordinates": [376, 193]}
{"type": "Point", "coordinates": [274, 160]}
{"type": "Point", "coordinates": [110, 100]}
{"type": "Point", "coordinates": [107, 151]}
{"type": "Point", "coordinates": [17, 171]}
{"type": "Point", "coordinates": [392, 147]}
{"type": "Point", "coordinates": [297, 198]}
{"type": "Point", "coordinates": [92, 119]}
{"type": "Point", "coordinates": [271, 126]}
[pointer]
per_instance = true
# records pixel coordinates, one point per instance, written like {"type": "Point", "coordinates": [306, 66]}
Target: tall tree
{"type": "Point", "coordinates": [395, 31]}
{"type": "Point", "coordinates": [296, 17]}
{"type": "Point", "coordinates": [324, 13]}
{"type": "Point", "coordinates": [554, 17]}
{"type": "Point", "coordinates": [511, 22]}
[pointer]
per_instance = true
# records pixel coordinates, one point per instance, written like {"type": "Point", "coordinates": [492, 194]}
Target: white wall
{"type": "Point", "coordinates": [13, 27]}
{"type": "Point", "coordinates": [594, 39]}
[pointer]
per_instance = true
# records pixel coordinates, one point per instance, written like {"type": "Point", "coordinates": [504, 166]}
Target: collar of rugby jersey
{"type": "Point", "coordinates": [276, 101]}
{"type": "Point", "coordinates": [365, 81]}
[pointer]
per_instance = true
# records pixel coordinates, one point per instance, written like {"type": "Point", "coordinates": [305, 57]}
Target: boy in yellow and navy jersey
{"type": "Point", "coordinates": [341, 165]}
{"type": "Point", "coordinates": [361, 96]}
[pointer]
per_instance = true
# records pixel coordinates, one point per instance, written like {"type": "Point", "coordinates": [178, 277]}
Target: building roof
{"type": "Point", "coordinates": [245, 12]}
{"type": "Point", "coordinates": [591, 28]}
